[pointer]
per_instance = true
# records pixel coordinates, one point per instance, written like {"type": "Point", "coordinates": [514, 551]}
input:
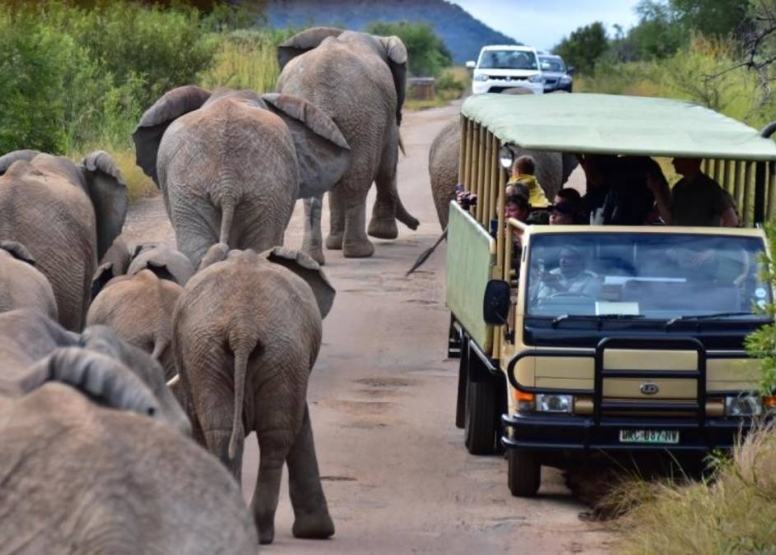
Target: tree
{"type": "Point", "coordinates": [426, 52]}
{"type": "Point", "coordinates": [584, 47]}
{"type": "Point", "coordinates": [712, 18]}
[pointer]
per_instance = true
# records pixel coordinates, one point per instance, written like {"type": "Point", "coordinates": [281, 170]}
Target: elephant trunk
{"type": "Point", "coordinates": [241, 351]}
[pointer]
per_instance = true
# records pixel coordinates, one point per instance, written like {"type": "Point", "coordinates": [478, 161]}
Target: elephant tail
{"type": "Point", "coordinates": [227, 216]}
{"type": "Point", "coordinates": [241, 352]}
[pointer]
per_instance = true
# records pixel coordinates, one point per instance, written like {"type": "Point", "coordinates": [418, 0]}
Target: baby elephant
{"type": "Point", "coordinates": [247, 330]}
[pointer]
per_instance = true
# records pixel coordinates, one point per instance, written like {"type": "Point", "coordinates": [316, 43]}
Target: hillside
{"type": "Point", "coordinates": [463, 35]}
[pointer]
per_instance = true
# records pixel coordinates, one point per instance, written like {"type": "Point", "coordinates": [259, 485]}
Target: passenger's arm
{"type": "Point", "coordinates": [730, 218]}
{"type": "Point", "coordinates": [662, 196]}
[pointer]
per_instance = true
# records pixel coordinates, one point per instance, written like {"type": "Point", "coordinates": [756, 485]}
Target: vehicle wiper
{"type": "Point", "coordinates": [694, 317]}
{"type": "Point", "coordinates": [598, 318]}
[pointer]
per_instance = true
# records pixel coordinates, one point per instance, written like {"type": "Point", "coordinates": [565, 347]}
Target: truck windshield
{"type": "Point", "coordinates": [649, 275]}
{"type": "Point", "coordinates": [508, 59]}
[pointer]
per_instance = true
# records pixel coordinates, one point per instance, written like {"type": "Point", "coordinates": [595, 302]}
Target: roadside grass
{"type": "Point", "coordinates": [732, 512]}
{"type": "Point", "coordinates": [450, 85]}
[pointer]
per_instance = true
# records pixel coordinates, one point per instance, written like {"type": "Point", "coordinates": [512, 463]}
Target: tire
{"type": "Point", "coordinates": [463, 382]}
{"type": "Point", "coordinates": [525, 473]}
{"type": "Point", "coordinates": [480, 423]}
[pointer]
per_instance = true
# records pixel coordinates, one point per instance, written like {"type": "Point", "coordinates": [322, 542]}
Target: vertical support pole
{"type": "Point", "coordinates": [462, 153]}
{"type": "Point", "coordinates": [477, 161]}
{"type": "Point", "coordinates": [737, 188]}
{"type": "Point", "coordinates": [715, 175]}
{"type": "Point", "coordinates": [482, 161]}
{"type": "Point", "coordinates": [487, 207]}
{"type": "Point", "coordinates": [746, 203]}
{"type": "Point", "coordinates": [771, 192]}
{"type": "Point", "coordinates": [759, 193]}
{"type": "Point", "coordinates": [467, 171]}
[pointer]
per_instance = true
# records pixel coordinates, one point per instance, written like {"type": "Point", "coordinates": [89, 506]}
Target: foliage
{"type": "Point", "coordinates": [712, 18]}
{"type": "Point", "coordinates": [584, 46]}
{"type": "Point", "coordinates": [733, 512]}
{"type": "Point", "coordinates": [426, 52]}
{"type": "Point", "coordinates": [762, 343]}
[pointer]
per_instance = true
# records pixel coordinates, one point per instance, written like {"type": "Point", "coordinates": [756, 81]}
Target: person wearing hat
{"type": "Point", "coordinates": [564, 213]}
{"type": "Point", "coordinates": [569, 277]}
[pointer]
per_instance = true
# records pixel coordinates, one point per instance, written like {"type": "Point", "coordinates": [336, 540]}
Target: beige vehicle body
{"type": "Point", "coordinates": [650, 356]}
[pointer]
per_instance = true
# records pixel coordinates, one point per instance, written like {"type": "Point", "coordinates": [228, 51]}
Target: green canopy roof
{"type": "Point", "coordinates": [600, 123]}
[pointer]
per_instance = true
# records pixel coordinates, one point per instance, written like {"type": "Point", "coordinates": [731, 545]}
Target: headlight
{"type": "Point", "coordinates": [535, 78]}
{"type": "Point", "coordinates": [565, 80]}
{"type": "Point", "coordinates": [743, 405]}
{"type": "Point", "coordinates": [480, 77]}
{"type": "Point", "coordinates": [546, 402]}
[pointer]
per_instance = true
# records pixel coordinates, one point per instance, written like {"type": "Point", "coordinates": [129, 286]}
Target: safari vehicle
{"type": "Point", "coordinates": [650, 356]}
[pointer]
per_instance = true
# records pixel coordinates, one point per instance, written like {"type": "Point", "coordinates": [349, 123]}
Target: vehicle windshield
{"type": "Point", "coordinates": [553, 65]}
{"type": "Point", "coordinates": [645, 275]}
{"type": "Point", "coordinates": [508, 59]}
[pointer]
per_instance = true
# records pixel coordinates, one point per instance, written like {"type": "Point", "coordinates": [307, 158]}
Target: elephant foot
{"type": "Point", "coordinates": [315, 526]}
{"type": "Point", "coordinates": [363, 249]}
{"type": "Point", "coordinates": [266, 534]}
{"type": "Point", "coordinates": [334, 242]}
{"type": "Point", "coordinates": [316, 254]}
{"type": "Point", "coordinates": [383, 228]}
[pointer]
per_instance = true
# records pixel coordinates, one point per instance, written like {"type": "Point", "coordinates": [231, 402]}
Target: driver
{"type": "Point", "coordinates": [569, 277]}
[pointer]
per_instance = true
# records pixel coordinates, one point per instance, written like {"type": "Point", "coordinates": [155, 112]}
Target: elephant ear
{"type": "Point", "coordinates": [570, 163]}
{"type": "Point", "coordinates": [396, 56]}
{"type": "Point", "coordinates": [101, 278]}
{"type": "Point", "coordinates": [101, 378]}
{"type": "Point", "coordinates": [322, 152]}
{"type": "Point", "coordinates": [309, 270]}
{"type": "Point", "coordinates": [304, 41]}
{"type": "Point", "coordinates": [108, 191]}
{"type": "Point", "coordinates": [216, 253]}
{"type": "Point", "coordinates": [18, 251]}
{"type": "Point", "coordinates": [155, 121]}
{"type": "Point", "coordinates": [11, 157]}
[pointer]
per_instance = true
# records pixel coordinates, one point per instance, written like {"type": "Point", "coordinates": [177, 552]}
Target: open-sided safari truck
{"type": "Point", "coordinates": [650, 355]}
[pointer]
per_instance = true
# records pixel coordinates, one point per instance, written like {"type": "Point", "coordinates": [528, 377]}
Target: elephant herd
{"type": "Point", "coordinates": [130, 375]}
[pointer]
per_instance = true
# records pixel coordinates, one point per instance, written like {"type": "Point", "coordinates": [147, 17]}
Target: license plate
{"type": "Point", "coordinates": [669, 437]}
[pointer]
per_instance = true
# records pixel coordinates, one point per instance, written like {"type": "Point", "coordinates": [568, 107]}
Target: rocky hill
{"type": "Point", "coordinates": [462, 34]}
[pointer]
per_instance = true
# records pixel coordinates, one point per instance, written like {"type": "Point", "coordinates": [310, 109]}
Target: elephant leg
{"type": "Point", "coordinates": [196, 224]}
{"type": "Point", "coordinates": [312, 243]}
{"type": "Point", "coordinates": [311, 512]}
{"type": "Point", "coordinates": [388, 206]}
{"type": "Point", "coordinates": [337, 219]}
{"type": "Point", "coordinates": [355, 243]}
{"type": "Point", "coordinates": [274, 446]}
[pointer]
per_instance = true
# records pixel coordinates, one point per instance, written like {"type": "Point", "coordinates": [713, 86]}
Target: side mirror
{"type": "Point", "coordinates": [471, 65]}
{"type": "Point", "coordinates": [570, 70]}
{"type": "Point", "coordinates": [495, 308]}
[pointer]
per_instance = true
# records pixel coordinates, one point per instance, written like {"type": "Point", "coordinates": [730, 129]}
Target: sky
{"type": "Point", "coordinates": [543, 23]}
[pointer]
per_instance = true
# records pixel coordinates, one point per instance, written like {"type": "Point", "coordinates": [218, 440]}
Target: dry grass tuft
{"type": "Point", "coordinates": [733, 513]}
{"type": "Point", "coordinates": [138, 183]}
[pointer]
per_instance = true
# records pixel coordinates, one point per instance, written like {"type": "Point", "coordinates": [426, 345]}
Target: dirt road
{"type": "Point", "coordinates": [382, 395]}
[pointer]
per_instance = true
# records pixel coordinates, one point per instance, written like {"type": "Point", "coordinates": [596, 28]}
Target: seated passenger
{"type": "Point", "coordinates": [523, 170]}
{"type": "Point", "coordinates": [516, 207]}
{"type": "Point", "coordinates": [565, 213]}
{"type": "Point", "coordinates": [569, 277]}
{"type": "Point", "coordinates": [629, 200]}
{"type": "Point", "coordinates": [697, 200]}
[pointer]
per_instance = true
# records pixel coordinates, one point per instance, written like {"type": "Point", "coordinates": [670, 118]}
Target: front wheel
{"type": "Point", "coordinates": [480, 422]}
{"type": "Point", "coordinates": [525, 473]}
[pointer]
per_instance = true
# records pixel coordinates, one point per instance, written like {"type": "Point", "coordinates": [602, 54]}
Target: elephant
{"type": "Point", "coordinates": [90, 464]}
{"type": "Point", "coordinates": [66, 215]}
{"type": "Point", "coordinates": [552, 168]}
{"type": "Point", "coordinates": [21, 284]}
{"type": "Point", "coordinates": [357, 79]}
{"type": "Point", "coordinates": [164, 261]}
{"type": "Point", "coordinates": [246, 333]}
{"type": "Point", "coordinates": [231, 164]}
{"type": "Point", "coordinates": [139, 309]}
{"type": "Point", "coordinates": [27, 337]}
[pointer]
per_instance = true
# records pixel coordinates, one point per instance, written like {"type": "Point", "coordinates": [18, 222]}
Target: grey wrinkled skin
{"type": "Point", "coordinates": [21, 284]}
{"type": "Point", "coordinates": [66, 216]}
{"type": "Point", "coordinates": [552, 168]}
{"type": "Point", "coordinates": [165, 262]}
{"type": "Point", "coordinates": [231, 164]}
{"type": "Point", "coordinates": [118, 256]}
{"type": "Point", "coordinates": [246, 333]}
{"type": "Point", "coordinates": [80, 479]}
{"type": "Point", "coordinates": [139, 309]}
{"type": "Point", "coordinates": [358, 80]}
{"type": "Point", "coordinates": [29, 338]}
